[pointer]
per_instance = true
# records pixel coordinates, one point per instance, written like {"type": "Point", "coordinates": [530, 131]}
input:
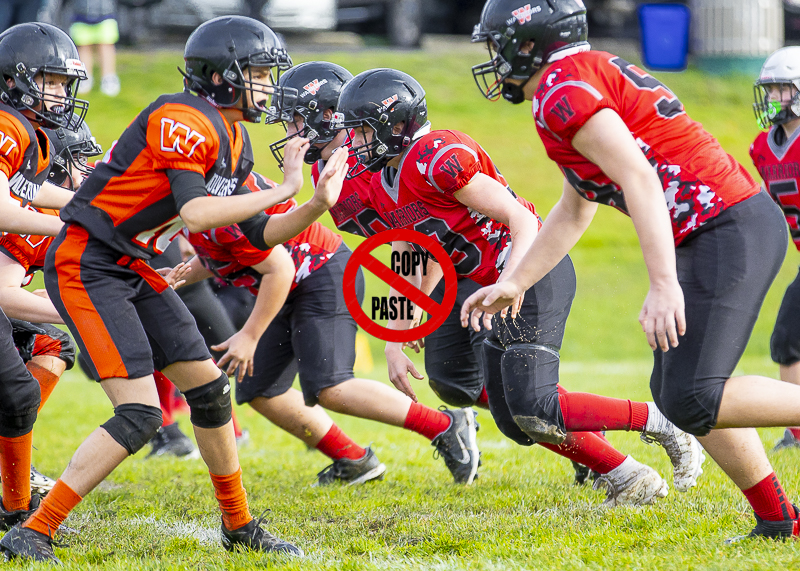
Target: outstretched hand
{"type": "Point", "coordinates": [399, 368]}
{"type": "Point", "coordinates": [293, 155]}
{"type": "Point", "coordinates": [331, 179]}
{"type": "Point", "coordinates": [175, 277]}
{"type": "Point", "coordinates": [481, 305]}
{"type": "Point", "coordinates": [240, 351]}
{"type": "Point", "coordinates": [663, 316]}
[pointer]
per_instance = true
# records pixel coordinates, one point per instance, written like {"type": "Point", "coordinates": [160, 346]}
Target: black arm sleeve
{"type": "Point", "coordinates": [253, 230]}
{"type": "Point", "coordinates": [185, 186]}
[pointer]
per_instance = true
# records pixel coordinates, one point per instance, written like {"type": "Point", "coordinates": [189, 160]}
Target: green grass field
{"type": "Point", "coordinates": [523, 512]}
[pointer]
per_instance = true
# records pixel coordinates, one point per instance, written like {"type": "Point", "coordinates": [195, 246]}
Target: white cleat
{"type": "Point", "coordinates": [683, 449]}
{"type": "Point", "coordinates": [631, 484]}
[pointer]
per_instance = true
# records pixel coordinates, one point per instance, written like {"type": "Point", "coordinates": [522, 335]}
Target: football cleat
{"type": "Point", "coordinates": [40, 484]}
{"type": "Point", "coordinates": [25, 543]}
{"type": "Point", "coordinates": [9, 519]}
{"type": "Point", "coordinates": [583, 473]}
{"type": "Point", "coordinates": [784, 529]}
{"type": "Point", "coordinates": [252, 537]}
{"type": "Point", "coordinates": [631, 484]}
{"type": "Point", "coordinates": [458, 445]}
{"type": "Point", "coordinates": [788, 441]}
{"type": "Point", "coordinates": [170, 440]}
{"type": "Point", "coordinates": [352, 472]}
{"type": "Point", "coordinates": [683, 449]}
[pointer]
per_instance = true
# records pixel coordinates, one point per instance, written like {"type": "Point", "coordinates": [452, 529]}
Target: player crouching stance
{"type": "Point", "coordinates": [443, 184]}
{"type": "Point", "coordinates": [181, 161]}
{"type": "Point", "coordinates": [712, 243]}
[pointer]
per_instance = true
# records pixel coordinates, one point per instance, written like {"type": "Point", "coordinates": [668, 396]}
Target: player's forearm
{"type": "Point", "coordinates": [206, 212]}
{"type": "Point", "coordinates": [19, 303]}
{"type": "Point", "coordinates": [52, 196]}
{"type": "Point", "coordinates": [648, 210]}
{"type": "Point", "coordinates": [431, 277]}
{"type": "Point", "coordinates": [283, 227]}
{"type": "Point", "coordinates": [524, 228]}
{"type": "Point", "coordinates": [271, 296]}
{"type": "Point", "coordinates": [17, 220]}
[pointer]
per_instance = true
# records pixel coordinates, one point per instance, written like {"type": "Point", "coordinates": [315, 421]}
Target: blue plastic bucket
{"type": "Point", "coordinates": [665, 36]}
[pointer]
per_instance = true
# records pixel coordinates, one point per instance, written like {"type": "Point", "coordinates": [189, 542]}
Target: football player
{"type": "Point", "coordinates": [313, 334]}
{"type": "Point", "coordinates": [711, 241]}
{"type": "Point", "coordinates": [181, 161]}
{"type": "Point", "coordinates": [443, 184]}
{"type": "Point", "coordinates": [775, 154]}
{"type": "Point", "coordinates": [41, 71]}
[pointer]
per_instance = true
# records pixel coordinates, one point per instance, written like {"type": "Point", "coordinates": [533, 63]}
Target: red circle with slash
{"type": "Point", "coordinates": [362, 256]}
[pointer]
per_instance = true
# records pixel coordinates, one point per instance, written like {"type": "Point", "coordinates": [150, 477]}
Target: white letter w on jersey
{"type": "Point", "coordinates": [7, 144]}
{"type": "Point", "coordinates": [179, 138]}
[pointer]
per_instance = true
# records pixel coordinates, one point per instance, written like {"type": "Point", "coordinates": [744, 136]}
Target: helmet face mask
{"type": "Point", "coordinates": [318, 85]}
{"type": "Point", "coordinates": [392, 104]}
{"type": "Point", "coordinates": [521, 39]}
{"type": "Point", "coordinates": [30, 55]}
{"type": "Point", "coordinates": [221, 56]}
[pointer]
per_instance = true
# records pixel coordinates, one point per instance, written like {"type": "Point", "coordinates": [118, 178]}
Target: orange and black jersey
{"type": "Point", "coordinates": [129, 202]}
{"type": "Point", "coordinates": [24, 154]}
{"type": "Point", "coordinates": [28, 250]}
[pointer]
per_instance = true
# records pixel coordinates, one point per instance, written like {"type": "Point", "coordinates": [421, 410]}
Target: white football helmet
{"type": "Point", "coordinates": [782, 69]}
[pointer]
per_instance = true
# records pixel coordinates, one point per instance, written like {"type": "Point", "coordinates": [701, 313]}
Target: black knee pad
{"type": "Point", "coordinates": [133, 425]}
{"type": "Point", "coordinates": [784, 346]}
{"type": "Point", "coordinates": [493, 377]}
{"type": "Point", "coordinates": [67, 346]}
{"type": "Point", "coordinates": [451, 394]}
{"type": "Point", "coordinates": [693, 411]}
{"type": "Point", "coordinates": [18, 414]}
{"type": "Point", "coordinates": [210, 404]}
{"type": "Point", "coordinates": [531, 371]}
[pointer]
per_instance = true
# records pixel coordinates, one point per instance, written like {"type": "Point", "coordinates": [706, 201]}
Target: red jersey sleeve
{"type": "Point", "coordinates": [568, 101]}
{"type": "Point", "coordinates": [454, 162]}
{"type": "Point", "coordinates": [14, 140]}
{"type": "Point", "coordinates": [182, 138]}
{"type": "Point", "coordinates": [233, 241]}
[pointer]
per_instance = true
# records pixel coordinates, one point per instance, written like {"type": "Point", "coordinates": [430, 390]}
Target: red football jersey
{"type": "Point", "coordinates": [29, 251]}
{"type": "Point", "coordinates": [699, 178]}
{"type": "Point", "coordinates": [127, 201]}
{"type": "Point", "coordinates": [779, 166]}
{"type": "Point", "coordinates": [229, 255]}
{"type": "Point", "coordinates": [420, 197]}
{"type": "Point", "coordinates": [24, 154]}
{"type": "Point", "coordinates": [353, 212]}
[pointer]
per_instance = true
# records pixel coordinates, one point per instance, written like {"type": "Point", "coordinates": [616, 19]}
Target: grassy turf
{"type": "Point", "coordinates": [523, 512]}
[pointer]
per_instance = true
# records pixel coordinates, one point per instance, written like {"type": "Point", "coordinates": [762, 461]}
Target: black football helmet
{"type": "Point", "coordinates": [32, 50]}
{"type": "Point", "coordinates": [506, 25]}
{"type": "Point", "coordinates": [232, 46]}
{"type": "Point", "coordinates": [71, 147]}
{"type": "Point", "coordinates": [318, 85]}
{"type": "Point", "coordinates": [380, 99]}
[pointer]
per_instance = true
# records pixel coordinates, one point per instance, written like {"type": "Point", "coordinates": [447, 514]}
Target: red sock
{"type": "Point", "coordinates": [584, 412]}
{"type": "Point", "coordinates": [588, 449]}
{"type": "Point", "coordinates": [426, 421]}
{"type": "Point", "coordinates": [232, 498]}
{"type": "Point", "coordinates": [769, 500]}
{"type": "Point", "coordinates": [165, 390]}
{"type": "Point", "coordinates": [15, 467]}
{"type": "Point", "coordinates": [337, 445]}
{"type": "Point", "coordinates": [54, 509]}
{"type": "Point", "coordinates": [795, 430]}
{"type": "Point", "coordinates": [483, 400]}
{"type": "Point", "coordinates": [45, 377]}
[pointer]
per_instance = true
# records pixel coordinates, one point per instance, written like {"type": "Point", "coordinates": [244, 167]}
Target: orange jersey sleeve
{"type": "Point", "coordinates": [182, 138]}
{"type": "Point", "coordinates": [14, 140]}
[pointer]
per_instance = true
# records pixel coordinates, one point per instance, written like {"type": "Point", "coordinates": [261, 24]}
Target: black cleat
{"type": "Point", "coordinates": [252, 537]}
{"type": "Point", "coordinates": [788, 441]}
{"type": "Point", "coordinates": [25, 543]}
{"type": "Point", "coordinates": [583, 473]}
{"type": "Point", "coordinates": [170, 440]}
{"type": "Point", "coordinates": [352, 472]}
{"type": "Point", "coordinates": [784, 529]}
{"type": "Point", "coordinates": [458, 445]}
{"type": "Point", "coordinates": [10, 519]}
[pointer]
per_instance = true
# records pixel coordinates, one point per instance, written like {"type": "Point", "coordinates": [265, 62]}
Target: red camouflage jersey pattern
{"type": "Point", "coordinates": [779, 166]}
{"type": "Point", "coordinates": [699, 178]}
{"type": "Point", "coordinates": [421, 198]}
{"type": "Point", "coordinates": [353, 212]}
{"type": "Point", "coordinates": [229, 255]}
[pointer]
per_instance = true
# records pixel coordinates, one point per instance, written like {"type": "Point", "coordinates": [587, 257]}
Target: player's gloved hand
{"type": "Point", "coordinates": [481, 305]}
{"type": "Point", "coordinates": [331, 179]}
{"type": "Point", "coordinates": [663, 315]}
{"type": "Point", "coordinates": [24, 334]}
{"type": "Point", "coordinates": [240, 350]}
{"type": "Point", "coordinates": [293, 154]}
{"type": "Point", "coordinates": [399, 367]}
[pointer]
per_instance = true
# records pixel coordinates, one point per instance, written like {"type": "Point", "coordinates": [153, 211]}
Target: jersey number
{"type": "Point", "coordinates": [366, 223]}
{"type": "Point", "coordinates": [467, 255]}
{"type": "Point", "coordinates": [157, 239]}
{"type": "Point", "coordinates": [789, 198]}
{"type": "Point", "coordinates": [668, 106]}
